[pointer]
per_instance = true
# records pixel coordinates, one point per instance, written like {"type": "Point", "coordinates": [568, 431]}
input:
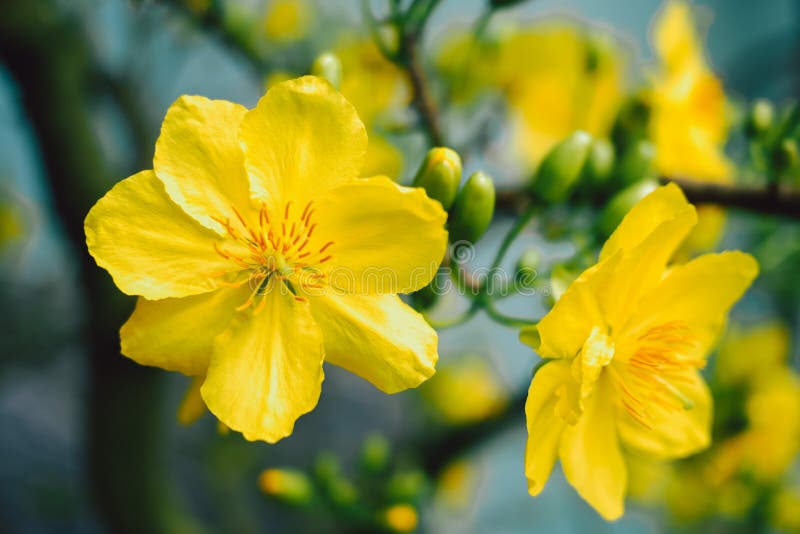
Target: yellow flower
{"type": "Point", "coordinates": [287, 20]}
{"type": "Point", "coordinates": [258, 253]}
{"type": "Point", "coordinates": [555, 78]}
{"type": "Point", "coordinates": [465, 391]}
{"type": "Point", "coordinates": [401, 518]}
{"type": "Point", "coordinates": [689, 125]}
{"type": "Point", "coordinates": [624, 344]}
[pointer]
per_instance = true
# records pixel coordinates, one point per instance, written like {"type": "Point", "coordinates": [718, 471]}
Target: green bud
{"type": "Point", "coordinates": [561, 168]}
{"type": "Point", "coordinates": [600, 163]}
{"type": "Point", "coordinates": [631, 123]}
{"type": "Point", "coordinates": [473, 209]}
{"type": "Point", "coordinates": [286, 485]}
{"type": "Point", "coordinates": [326, 467]}
{"type": "Point", "coordinates": [760, 117]}
{"type": "Point", "coordinates": [406, 486]}
{"type": "Point", "coordinates": [527, 265]}
{"type": "Point", "coordinates": [637, 163]}
{"type": "Point", "coordinates": [328, 65]}
{"type": "Point", "coordinates": [342, 492]}
{"type": "Point", "coordinates": [785, 156]}
{"type": "Point", "coordinates": [375, 453]}
{"type": "Point", "coordinates": [621, 203]}
{"type": "Point", "coordinates": [439, 175]}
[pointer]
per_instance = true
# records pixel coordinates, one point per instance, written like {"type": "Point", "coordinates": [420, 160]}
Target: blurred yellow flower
{"type": "Point", "coordinates": [624, 344]}
{"type": "Point", "coordinates": [286, 20]}
{"type": "Point", "coordinates": [465, 391]}
{"type": "Point", "coordinates": [456, 485]}
{"type": "Point", "coordinates": [688, 125]}
{"type": "Point", "coordinates": [401, 518]}
{"type": "Point", "coordinates": [557, 78]}
{"type": "Point", "coordinates": [257, 253]}
{"type": "Point", "coordinates": [377, 88]}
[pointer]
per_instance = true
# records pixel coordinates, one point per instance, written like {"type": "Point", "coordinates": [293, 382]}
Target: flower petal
{"type": "Point", "coordinates": [591, 456]}
{"type": "Point", "coordinates": [698, 293]}
{"type": "Point", "coordinates": [148, 244]}
{"type": "Point", "coordinates": [266, 369]}
{"type": "Point", "coordinates": [387, 238]}
{"type": "Point", "coordinates": [301, 139]}
{"type": "Point", "coordinates": [565, 328]}
{"type": "Point", "coordinates": [377, 337]}
{"type": "Point", "coordinates": [199, 159]}
{"type": "Point", "coordinates": [178, 334]}
{"type": "Point", "coordinates": [663, 204]}
{"type": "Point", "coordinates": [674, 433]}
{"type": "Point", "coordinates": [192, 406]}
{"type": "Point", "coordinates": [545, 426]}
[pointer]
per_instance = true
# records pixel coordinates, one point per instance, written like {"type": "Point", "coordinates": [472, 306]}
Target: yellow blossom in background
{"type": "Point", "coordinates": [377, 88]}
{"type": "Point", "coordinates": [784, 512]}
{"type": "Point", "coordinates": [465, 390]}
{"type": "Point", "coordinates": [557, 77]}
{"type": "Point", "coordinates": [456, 485]}
{"type": "Point", "coordinates": [689, 124]}
{"type": "Point", "coordinates": [257, 253]}
{"type": "Point", "coordinates": [623, 346]}
{"type": "Point", "coordinates": [401, 518]}
{"type": "Point", "coordinates": [286, 20]}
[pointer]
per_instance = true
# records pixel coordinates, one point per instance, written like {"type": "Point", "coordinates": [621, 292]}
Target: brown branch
{"type": "Point", "coordinates": [422, 102]}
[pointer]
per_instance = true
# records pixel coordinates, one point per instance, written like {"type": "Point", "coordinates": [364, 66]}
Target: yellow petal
{"type": "Point", "coordinates": [266, 369]}
{"type": "Point", "coordinates": [387, 238]}
{"type": "Point", "coordinates": [377, 337]}
{"type": "Point", "coordinates": [544, 424]}
{"type": "Point", "coordinates": [675, 433]}
{"type": "Point", "coordinates": [663, 204]}
{"type": "Point", "coordinates": [698, 293]}
{"type": "Point", "coordinates": [674, 36]}
{"type": "Point", "coordinates": [178, 334]}
{"type": "Point", "coordinates": [301, 139]}
{"type": "Point", "coordinates": [148, 244]}
{"type": "Point", "coordinates": [565, 328]}
{"type": "Point", "coordinates": [199, 159]}
{"type": "Point", "coordinates": [591, 456]}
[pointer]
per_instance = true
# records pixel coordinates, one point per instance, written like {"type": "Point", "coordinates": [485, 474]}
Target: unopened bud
{"type": "Point", "coordinates": [473, 209]}
{"type": "Point", "coordinates": [406, 486]}
{"type": "Point", "coordinates": [527, 266]}
{"type": "Point", "coordinates": [621, 203]}
{"type": "Point", "coordinates": [637, 163]}
{"type": "Point", "coordinates": [600, 163]}
{"type": "Point", "coordinates": [760, 117]}
{"type": "Point", "coordinates": [286, 485]}
{"type": "Point", "coordinates": [439, 175]}
{"type": "Point", "coordinates": [375, 453]}
{"type": "Point", "coordinates": [785, 156]}
{"type": "Point", "coordinates": [328, 65]}
{"type": "Point", "coordinates": [561, 168]}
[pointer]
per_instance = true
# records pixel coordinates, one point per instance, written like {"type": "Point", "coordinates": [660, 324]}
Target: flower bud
{"type": "Point", "coordinates": [561, 168]}
{"type": "Point", "coordinates": [286, 485]}
{"type": "Point", "coordinates": [375, 453]}
{"type": "Point", "coordinates": [439, 175]}
{"type": "Point", "coordinates": [527, 265]}
{"type": "Point", "coordinates": [473, 209]}
{"type": "Point", "coordinates": [406, 486]}
{"type": "Point", "coordinates": [401, 518]}
{"type": "Point", "coordinates": [637, 163]}
{"type": "Point", "coordinates": [328, 65]}
{"type": "Point", "coordinates": [600, 163]}
{"type": "Point", "coordinates": [621, 203]}
{"type": "Point", "coordinates": [326, 467]}
{"type": "Point", "coordinates": [759, 118]}
{"type": "Point", "coordinates": [785, 156]}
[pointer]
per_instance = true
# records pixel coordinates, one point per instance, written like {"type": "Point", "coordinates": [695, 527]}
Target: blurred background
{"type": "Point", "coordinates": [91, 442]}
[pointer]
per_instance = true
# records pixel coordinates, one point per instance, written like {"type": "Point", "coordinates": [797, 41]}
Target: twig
{"type": "Point", "coordinates": [422, 101]}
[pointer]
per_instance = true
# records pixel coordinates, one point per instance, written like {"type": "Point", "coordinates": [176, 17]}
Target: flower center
{"type": "Point", "coordinates": [651, 378]}
{"type": "Point", "coordinates": [279, 249]}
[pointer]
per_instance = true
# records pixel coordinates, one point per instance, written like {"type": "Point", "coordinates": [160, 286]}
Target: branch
{"type": "Point", "coordinates": [765, 200]}
{"type": "Point", "coordinates": [422, 102]}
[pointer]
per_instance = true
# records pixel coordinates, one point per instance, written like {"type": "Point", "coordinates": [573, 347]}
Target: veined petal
{"type": "Point", "coordinates": [675, 432]}
{"type": "Point", "coordinates": [178, 334]}
{"type": "Point", "coordinates": [266, 369]}
{"type": "Point", "coordinates": [698, 293]}
{"type": "Point", "coordinates": [199, 160]}
{"type": "Point", "coordinates": [301, 139]}
{"type": "Point", "coordinates": [563, 331]}
{"type": "Point", "coordinates": [545, 426]}
{"type": "Point", "coordinates": [149, 245]}
{"type": "Point", "coordinates": [665, 203]}
{"type": "Point", "coordinates": [377, 337]}
{"type": "Point", "coordinates": [591, 456]}
{"type": "Point", "coordinates": [386, 238]}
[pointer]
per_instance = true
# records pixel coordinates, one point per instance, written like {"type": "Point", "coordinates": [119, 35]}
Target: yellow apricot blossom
{"type": "Point", "coordinates": [623, 346]}
{"type": "Point", "coordinates": [257, 253]}
{"type": "Point", "coordinates": [689, 124]}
